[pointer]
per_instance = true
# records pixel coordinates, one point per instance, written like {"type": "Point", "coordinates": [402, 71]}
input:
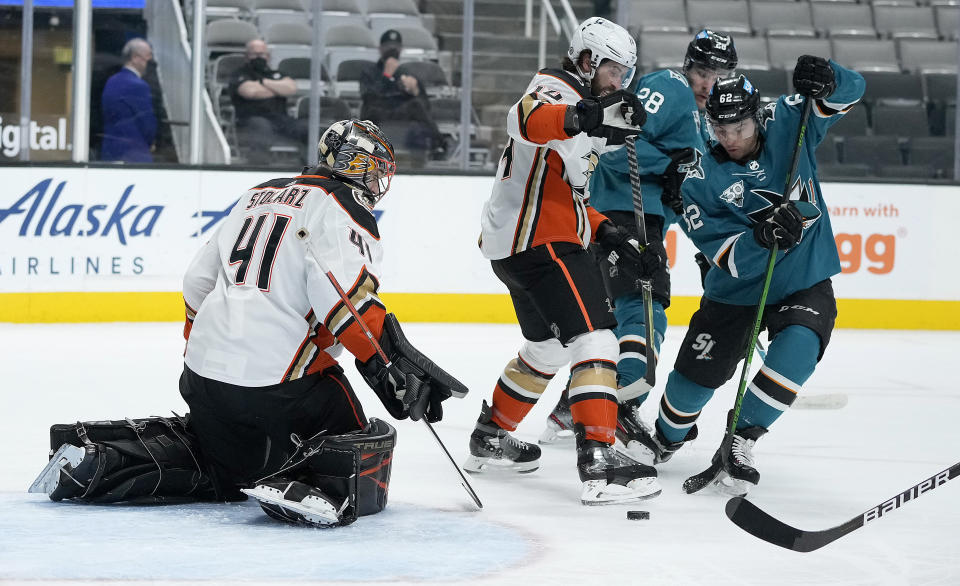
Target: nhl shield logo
{"type": "Point", "coordinates": [734, 194]}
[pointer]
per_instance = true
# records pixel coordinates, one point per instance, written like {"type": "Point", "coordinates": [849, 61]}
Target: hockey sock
{"type": "Point", "coordinates": [517, 391]}
{"type": "Point", "coordinates": [632, 336]}
{"type": "Point", "coordinates": [680, 406]}
{"type": "Point", "coordinates": [593, 398]}
{"type": "Point", "coordinates": [790, 361]}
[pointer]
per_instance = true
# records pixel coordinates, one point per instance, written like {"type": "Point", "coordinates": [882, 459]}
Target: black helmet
{"type": "Point", "coordinates": [732, 100]}
{"type": "Point", "coordinates": [713, 51]}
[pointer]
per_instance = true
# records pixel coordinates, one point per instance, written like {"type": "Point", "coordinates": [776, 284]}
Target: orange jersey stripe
{"type": "Point", "coordinates": [573, 287]}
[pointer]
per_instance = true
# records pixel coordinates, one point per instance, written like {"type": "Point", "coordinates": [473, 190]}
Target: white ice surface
{"type": "Point", "coordinates": [819, 468]}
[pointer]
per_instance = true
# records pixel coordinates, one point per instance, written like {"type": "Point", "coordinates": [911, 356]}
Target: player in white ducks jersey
{"type": "Point", "coordinates": [536, 227]}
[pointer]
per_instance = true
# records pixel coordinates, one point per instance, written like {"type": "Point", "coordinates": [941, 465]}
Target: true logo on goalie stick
{"type": "Point", "coordinates": [911, 493]}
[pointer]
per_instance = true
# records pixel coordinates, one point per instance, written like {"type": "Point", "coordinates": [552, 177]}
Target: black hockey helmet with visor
{"type": "Point", "coordinates": [358, 152]}
{"type": "Point", "coordinates": [713, 51]}
{"type": "Point", "coordinates": [732, 101]}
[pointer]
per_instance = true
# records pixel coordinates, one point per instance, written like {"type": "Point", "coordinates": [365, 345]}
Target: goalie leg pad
{"type": "Point", "coordinates": [151, 460]}
{"type": "Point", "coordinates": [351, 472]}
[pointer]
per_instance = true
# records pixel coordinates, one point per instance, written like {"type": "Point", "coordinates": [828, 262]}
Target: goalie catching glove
{"type": "Point", "coordinates": [412, 385]}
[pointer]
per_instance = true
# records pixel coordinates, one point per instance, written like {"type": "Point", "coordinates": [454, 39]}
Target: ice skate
{"type": "Point", "coordinates": [643, 444]}
{"type": "Point", "coordinates": [559, 423]}
{"type": "Point", "coordinates": [610, 477]}
{"type": "Point", "coordinates": [739, 471]}
{"type": "Point", "coordinates": [68, 473]}
{"type": "Point", "coordinates": [492, 448]}
{"type": "Point", "coordinates": [295, 502]}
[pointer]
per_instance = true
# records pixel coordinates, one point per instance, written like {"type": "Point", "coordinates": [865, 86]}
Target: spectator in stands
{"type": "Point", "coordinates": [389, 94]}
{"type": "Point", "coordinates": [259, 96]}
{"type": "Point", "coordinates": [129, 123]}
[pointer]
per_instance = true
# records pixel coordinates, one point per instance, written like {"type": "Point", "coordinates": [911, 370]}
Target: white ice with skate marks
{"type": "Point", "coordinates": [818, 468]}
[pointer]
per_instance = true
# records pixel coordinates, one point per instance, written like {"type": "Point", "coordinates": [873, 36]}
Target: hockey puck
{"type": "Point", "coordinates": [638, 515]}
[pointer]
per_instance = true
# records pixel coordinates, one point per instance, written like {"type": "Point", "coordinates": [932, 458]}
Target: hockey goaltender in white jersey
{"type": "Point", "coordinates": [250, 279]}
{"type": "Point", "coordinates": [287, 281]}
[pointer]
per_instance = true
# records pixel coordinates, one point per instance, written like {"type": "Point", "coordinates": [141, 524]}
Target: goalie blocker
{"type": "Point", "coordinates": [155, 460]}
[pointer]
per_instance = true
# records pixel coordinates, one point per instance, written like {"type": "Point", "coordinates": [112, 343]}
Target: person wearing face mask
{"type": "Point", "coordinates": [735, 213]}
{"type": "Point", "coordinates": [670, 146]}
{"type": "Point", "coordinates": [535, 230]}
{"type": "Point", "coordinates": [259, 95]}
{"type": "Point", "coordinates": [390, 94]}
{"type": "Point", "coordinates": [129, 121]}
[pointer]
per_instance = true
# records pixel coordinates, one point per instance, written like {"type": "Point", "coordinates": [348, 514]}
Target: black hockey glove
{"type": "Point", "coordinates": [813, 77]}
{"type": "Point", "coordinates": [704, 266]}
{"type": "Point", "coordinates": [414, 386]}
{"type": "Point", "coordinates": [614, 116]}
{"type": "Point", "coordinates": [624, 252]}
{"type": "Point", "coordinates": [673, 177]}
{"type": "Point", "coordinates": [782, 225]}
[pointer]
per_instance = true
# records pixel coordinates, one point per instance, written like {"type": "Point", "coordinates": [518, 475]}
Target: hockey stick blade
{"type": "Point", "coordinates": [820, 401]}
{"type": "Point", "coordinates": [698, 482]}
{"type": "Point", "coordinates": [760, 524]}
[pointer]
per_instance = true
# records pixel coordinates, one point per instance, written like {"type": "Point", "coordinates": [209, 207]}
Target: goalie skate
{"type": "Point", "coordinates": [610, 477]}
{"type": "Point", "coordinates": [63, 476]}
{"type": "Point", "coordinates": [559, 423]}
{"type": "Point", "coordinates": [295, 502]}
{"type": "Point", "coordinates": [493, 449]}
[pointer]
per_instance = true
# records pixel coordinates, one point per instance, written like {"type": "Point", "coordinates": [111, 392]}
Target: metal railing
{"type": "Point", "coordinates": [168, 34]}
{"type": "Point", "coordinates": [565, 26]}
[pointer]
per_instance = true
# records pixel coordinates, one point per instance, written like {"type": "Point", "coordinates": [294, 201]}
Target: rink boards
{"type": "Point", "coordinates": [112, 244]}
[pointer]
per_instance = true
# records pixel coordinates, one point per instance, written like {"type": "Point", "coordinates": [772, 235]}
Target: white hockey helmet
{"type": "Point", "coordinates": [604, 40]}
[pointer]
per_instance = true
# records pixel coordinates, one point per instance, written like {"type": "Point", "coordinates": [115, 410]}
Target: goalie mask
{"type": "Point", "coordinates": [604, 40]}
{"type": "Point", "coordinates": [360, 154]}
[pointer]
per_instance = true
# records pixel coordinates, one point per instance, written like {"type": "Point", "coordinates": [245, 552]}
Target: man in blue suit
{"type": "Point", "coordinates": [129, 124]}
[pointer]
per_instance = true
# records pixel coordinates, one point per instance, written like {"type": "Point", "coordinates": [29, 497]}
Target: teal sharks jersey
{"type": "Point", "coordinates": [673, 123]}
{"type": "Point", "coordinates": [721, 206]}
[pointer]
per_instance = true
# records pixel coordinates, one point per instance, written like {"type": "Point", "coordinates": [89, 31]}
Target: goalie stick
{"type": "Point", "coordinates": [760, 524]}
{"type": "Point", "coordinates": [304, 235]}
{"type": "Point", "coordinates": [646, 286]}
{"type": "Point", "coordinates": [701, 480]}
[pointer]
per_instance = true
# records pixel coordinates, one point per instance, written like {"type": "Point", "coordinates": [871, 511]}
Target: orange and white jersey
{"type": "Point", "coordinates": [260, 310]}
{"type": "Point", "coordinates": [540, 193]}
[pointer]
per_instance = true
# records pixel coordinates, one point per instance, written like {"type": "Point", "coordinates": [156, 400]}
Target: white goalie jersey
{"type": "Point", "coordinates": [260, 309]}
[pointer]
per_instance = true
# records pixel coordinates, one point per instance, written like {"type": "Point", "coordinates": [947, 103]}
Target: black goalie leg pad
{"type": "Point", "coordinates": [351, 472]}
{"type": "Point", "coordinates": [147, 460]}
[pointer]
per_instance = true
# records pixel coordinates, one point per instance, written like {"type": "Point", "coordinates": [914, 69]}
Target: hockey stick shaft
{"type": "Point", "coordinates": [646, 287]}
{"type": "Point", "coordinates": [760, 524]}
{"type": "Point", "coordinates": [771, 261]}
{"type": "Point", "coordinates": [304, 235]}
